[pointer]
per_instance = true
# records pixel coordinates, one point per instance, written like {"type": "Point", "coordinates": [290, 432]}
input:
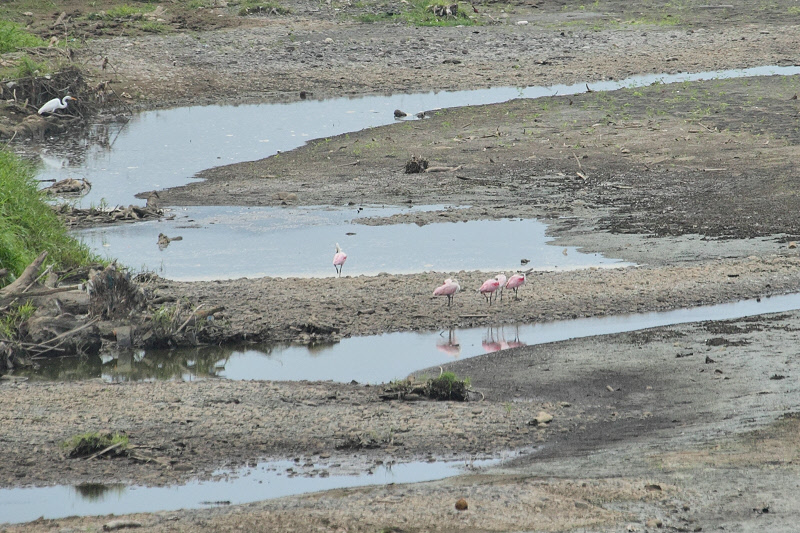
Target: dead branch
{"type": "Point", "coordinates": [44, 346]}
{"type": "Point", "coordinates": [443, 169]}
{"type": "Point", "coordinates": [105, 451]}
{"type": "Point", "coordinates": [193, 315]}
{"type": "Point", "coordinates": [28, 276]}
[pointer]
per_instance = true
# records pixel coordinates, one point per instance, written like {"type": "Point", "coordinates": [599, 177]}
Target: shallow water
{"type": "Point", "coordinates": [165, 148]}
{"type": "Point", "coordinates": [235, 242]}
{"type": "Point", "coordinates": [380, 358]}
{"type": "Point", "coordinates": [264, 481]}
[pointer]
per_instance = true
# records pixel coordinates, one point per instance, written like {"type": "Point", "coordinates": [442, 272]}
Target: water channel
{"type": "Point", "coordinates": [165, 148]}
{"type": "Point", "coordinates": [378, 358]}
{"type": "Point", "coordinates": [266, 480]}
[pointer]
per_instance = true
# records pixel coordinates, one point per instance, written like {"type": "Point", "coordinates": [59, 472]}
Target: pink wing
{"type": "Point", "coordinates": [446, 290]}
{"type": "Point", "coordinates": [515, 281]}
{"type": "Point", "coordinates": [339, 258]}
{"type": "Point", "coordinates": [490, 285]}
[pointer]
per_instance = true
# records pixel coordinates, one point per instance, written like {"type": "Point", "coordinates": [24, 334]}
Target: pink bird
{"type": "Point", "coordinates": [488, 289]}
{"type": "Point", "coordinates": [516, 281]}
{"type": "Point", "coordinates": [338, 259]}
{"type": "Point", "coordinates": [502, 279]}
{"type": "Point", "coordinates": [449, 288]}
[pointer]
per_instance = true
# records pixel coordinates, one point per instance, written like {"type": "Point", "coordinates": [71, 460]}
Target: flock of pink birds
{"type": "Point", "coordinates": [489, 289]}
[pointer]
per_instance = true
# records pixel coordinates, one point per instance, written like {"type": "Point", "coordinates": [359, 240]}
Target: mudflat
{"type": "Point", "coordinates": [686, 428]}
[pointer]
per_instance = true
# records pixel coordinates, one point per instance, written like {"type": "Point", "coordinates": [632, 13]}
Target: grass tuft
{"type": "Point", "coordinates": [447, 386]}
{"type": "Point", "coordinates": [93, 442]}
{"type": "Point", "coordinates": [13, 318]}
{"type": "Point", "coordinates": [13, 38]}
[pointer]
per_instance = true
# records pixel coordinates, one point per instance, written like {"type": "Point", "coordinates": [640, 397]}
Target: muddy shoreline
{"type": "Point", "coordinates": [688, 427]}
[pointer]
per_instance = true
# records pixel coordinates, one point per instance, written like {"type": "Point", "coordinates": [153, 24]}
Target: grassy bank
{"type": "Point", "coordinates": [28, 225]}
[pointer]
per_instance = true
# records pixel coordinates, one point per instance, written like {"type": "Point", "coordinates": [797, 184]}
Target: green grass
{"type": "Point", "coordinates": [152, 26]}
{"type": "Point", "coordinates": [13, 318]}
{"type": "Point", "coordinates": [28, 226]}
{"type": "Point", "coordinates": [28, 68]}
{"type": "Point", "coordinates": [92, 442]}
{"type": "Point", "coordinates": [419, 13]}
{"type": "Point", "coordinates": [13, 38]}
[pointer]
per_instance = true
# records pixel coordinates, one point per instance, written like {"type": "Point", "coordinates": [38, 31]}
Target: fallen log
{"type": "Point", "coordinates": [28, 276]}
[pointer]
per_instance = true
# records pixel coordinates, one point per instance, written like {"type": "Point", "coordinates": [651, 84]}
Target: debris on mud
{"type": "Point", "coordinates": [94, 310]}
{"type": "Point", "coordinates": [366, 441]}
{"type": "Point", "coordinates": [444, 10]}
{"type": "Point", "coordinates": [112, 294]}
{"type": "Point", "coordinates": [75, 217]}
{"type": "Point", "coordinates": [447, 387]}
{"type": "Point", "coordinates": [24, 96]}
{"type": "Point", "coordinates": [70, 187]}
{"type": "Point", "coordinates": [311, 332]}
{"type": "Point", "coordinates": [95, 444]}
{"type": "Point", "coordinates": [415, 165]}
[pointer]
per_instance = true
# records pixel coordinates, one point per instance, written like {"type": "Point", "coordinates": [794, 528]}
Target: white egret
{"type": "Point", "coordinates": [54, 104]}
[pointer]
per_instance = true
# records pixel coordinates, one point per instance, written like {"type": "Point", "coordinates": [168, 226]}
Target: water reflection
{"type": "Point", "coordinates": [379, 358]}
{"type": "Point", "coordinates": [450, 346]}
{"type": "Point", "coordinates": [135, 365]}
{"type": "Point", "coordinates": [495, 339]}
{"type": "Point", "coordinates": [97, 492]}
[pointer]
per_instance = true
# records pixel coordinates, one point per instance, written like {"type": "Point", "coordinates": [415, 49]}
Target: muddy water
{"type": "Point", "coordinates": [235, 242]}
{"type": "Point", "coordinates": [165, 148]}
{"type": "Point", "coordinates": [264, 481]}
{"type": "Point", "coordinates": [379, 358]}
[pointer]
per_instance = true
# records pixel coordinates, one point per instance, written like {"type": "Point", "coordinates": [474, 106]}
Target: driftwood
{"type": "Point", "coordinates": [443, 169]}
{"type": "Point", "coordinates": [21, 284]}
{"type": "Point", "coordinates": [45, 347]}
{"type": "Point", "coordinates": [69, 186]}
{"type": "Point", "coordinates": [105, 450]}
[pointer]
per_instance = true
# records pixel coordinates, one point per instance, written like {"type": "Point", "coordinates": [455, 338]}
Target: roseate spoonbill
{"type": "Point", "coordinates": [338, 259]}
{"type": "Point", "coordinates": [54, 104]}
{"type": "Point", "coordinates": [449, 288]}
{"type": "Point", "coordinates": [502, 279]}
{"type": "Point", "coordinates": [516, 281]}
{"type": "Point", "coordinates": [488, 289]}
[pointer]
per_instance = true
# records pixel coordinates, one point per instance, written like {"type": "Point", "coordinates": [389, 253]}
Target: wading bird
{"type": "Point", "coordinates": [338, 259]}
{"type": "Point", "coordinates": [54, 104]}
{"type": "Point", "coordinates": [449, 288]}
{"type": "Point", "coordinates": [516, 281]}
{"type": "Point", "coordinates": [488, 289]}
{"type": "Point", "coordinates": [502, 279]}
